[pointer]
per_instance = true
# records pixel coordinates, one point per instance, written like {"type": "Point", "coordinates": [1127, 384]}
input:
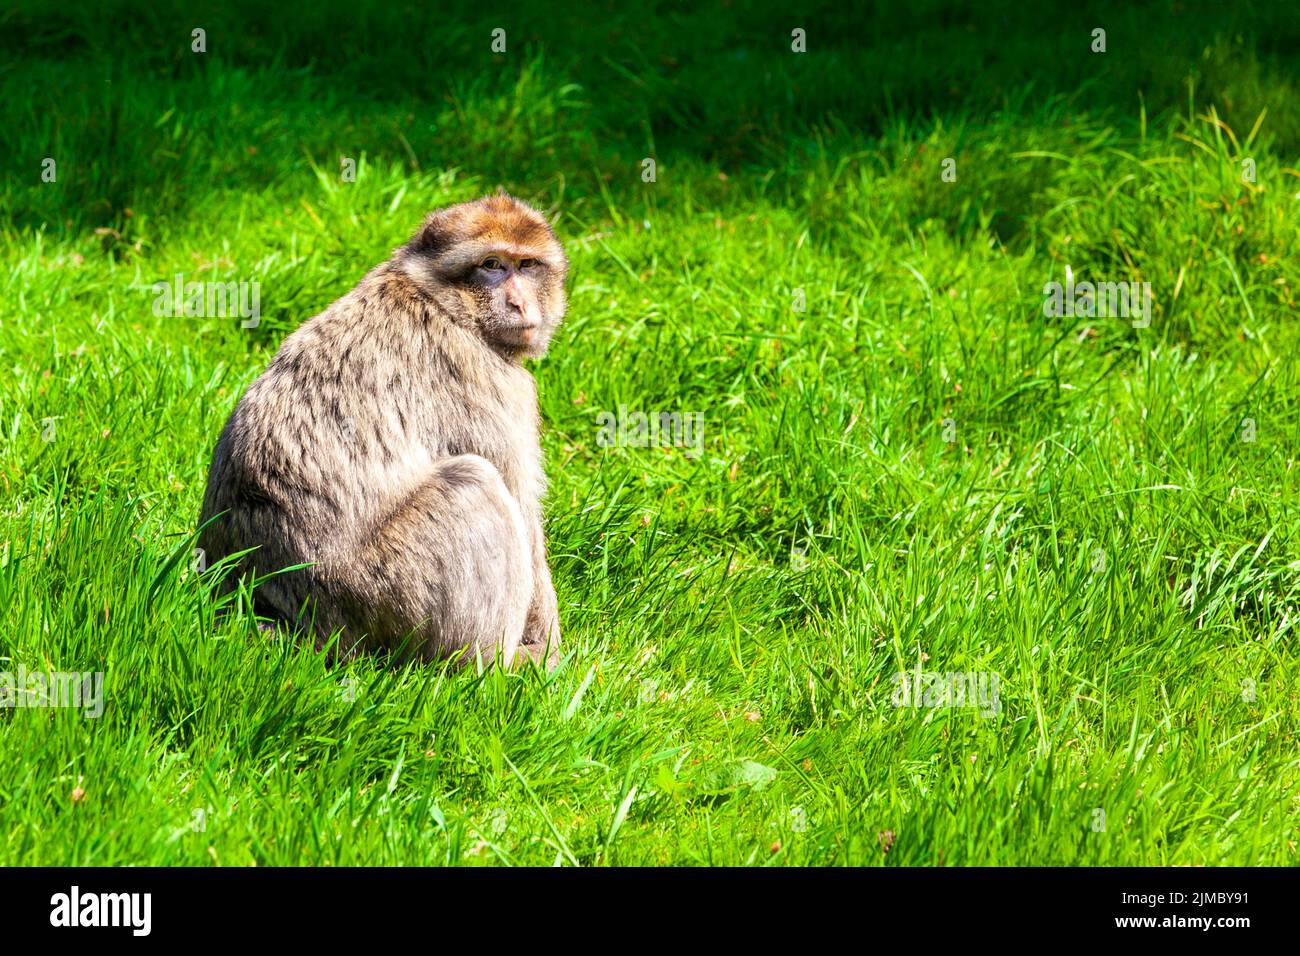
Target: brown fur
{"type": "Point", "coordinates": [392, 444]}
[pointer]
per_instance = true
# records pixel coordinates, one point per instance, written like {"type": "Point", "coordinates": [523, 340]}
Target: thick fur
{"type": "Point", "coordinates": [393, 447]}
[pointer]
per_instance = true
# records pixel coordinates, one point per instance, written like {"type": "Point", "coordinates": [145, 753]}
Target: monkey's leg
{"type": "Point", "coordinates": [452, 567]}
{"type": "Point", "coordinates": [541, 639]}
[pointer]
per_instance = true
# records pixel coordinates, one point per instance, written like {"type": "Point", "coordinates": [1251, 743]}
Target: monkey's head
{"type": "Point", "coordinates": [496, 267]}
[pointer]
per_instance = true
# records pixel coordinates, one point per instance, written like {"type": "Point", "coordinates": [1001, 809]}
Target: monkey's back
{"type": "Point", "coordinates": [352, 413]}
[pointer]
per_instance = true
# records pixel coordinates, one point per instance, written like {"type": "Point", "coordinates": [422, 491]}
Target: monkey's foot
{"type": "Point", "coordinates": [542, 654]}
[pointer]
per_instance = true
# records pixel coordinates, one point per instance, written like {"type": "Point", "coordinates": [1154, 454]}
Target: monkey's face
{"type": "Point", "coordinates": [516, 301]}
{"type": "Point", "coordinates": [501, 265]}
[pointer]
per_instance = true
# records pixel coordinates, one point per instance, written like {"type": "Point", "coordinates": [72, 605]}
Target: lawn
{"type": "Point", "coordinates": [906, 462]}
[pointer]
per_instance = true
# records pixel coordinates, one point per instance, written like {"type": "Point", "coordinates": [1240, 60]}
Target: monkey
{"type": "Point", "coordinates": [381, 482]}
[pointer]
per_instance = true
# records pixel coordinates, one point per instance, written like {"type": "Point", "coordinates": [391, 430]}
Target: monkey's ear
{"type": "Point", "coordinates": [434, 236]}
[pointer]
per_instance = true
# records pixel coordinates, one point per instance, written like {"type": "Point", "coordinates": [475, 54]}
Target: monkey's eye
{"type": "Point", "coordinates": [528, 264]}
{"type": "Point", "coordinates": [492, 263]}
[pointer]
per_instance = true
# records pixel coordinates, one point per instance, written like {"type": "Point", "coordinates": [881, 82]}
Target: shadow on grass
{"type": "Point", "coordinates": [138, 121]}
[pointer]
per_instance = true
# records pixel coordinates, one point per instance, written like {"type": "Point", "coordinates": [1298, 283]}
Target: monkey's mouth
{"type": "Point", "coordinates": [522, 336]}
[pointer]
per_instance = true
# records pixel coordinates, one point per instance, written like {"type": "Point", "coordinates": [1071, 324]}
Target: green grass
{"type": "Point", "coordinates": [1098, 532]}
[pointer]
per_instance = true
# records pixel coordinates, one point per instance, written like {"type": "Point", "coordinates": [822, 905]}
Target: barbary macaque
{"type": "Point", "coordinates": [392, 447]}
